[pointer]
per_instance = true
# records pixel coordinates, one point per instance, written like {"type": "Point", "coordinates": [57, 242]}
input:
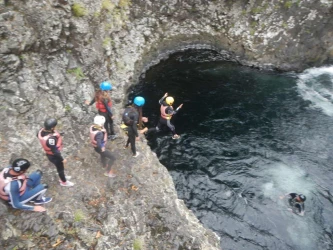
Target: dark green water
{"type": "Point", "coordinates": [247, 136]}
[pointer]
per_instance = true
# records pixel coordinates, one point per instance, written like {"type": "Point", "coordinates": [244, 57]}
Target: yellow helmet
{"type": "Point", "coordinates": [169, 100]}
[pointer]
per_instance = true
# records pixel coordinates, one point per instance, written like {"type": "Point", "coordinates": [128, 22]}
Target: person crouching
{"type": "Point", "coordinates": [18, 189]}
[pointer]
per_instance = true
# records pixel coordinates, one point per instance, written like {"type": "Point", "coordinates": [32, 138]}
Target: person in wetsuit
{"type": "Point", "coordinates": [18, 189]}
{"type": "Point", "coordinates": [98, 139]}
{"type": "Point", "coordinates": [103, 104]}
{"type": "Point", "coordinates": [167, 112]}
{"type": "Point", "coordinates": [130, 119]}
{"type": "Point", "coordinates": [51, 142]}
{"type": "Point", "coordinates": [296, 202]}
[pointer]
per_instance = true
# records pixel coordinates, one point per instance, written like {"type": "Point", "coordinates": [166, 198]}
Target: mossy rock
{"type": "Point", "coordinates": [78, 10]}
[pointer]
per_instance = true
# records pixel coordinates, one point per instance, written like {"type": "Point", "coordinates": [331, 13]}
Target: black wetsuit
{"type": "Point", "coordinates": [56, 158]}
{"type": "Point", "coordinates": [99, 138]}
{"type": "Point", "coordinates": [164, 123]}
{"type": "Point", "coordinates": [297, 207]}
{"type": "Point", "coordinates": [107, 115]}
{"type": "Point", "coordinates": [132, 127]}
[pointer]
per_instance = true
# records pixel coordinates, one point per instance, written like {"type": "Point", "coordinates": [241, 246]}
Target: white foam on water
{"type": "Point", "coordinates": [291, 179]}
{"type": "Point", "coordinates": [286, 179]}
{"type": "Point", "coordinates": [301, 234]}
{"type": "Point", "coordinates": [312, 87]}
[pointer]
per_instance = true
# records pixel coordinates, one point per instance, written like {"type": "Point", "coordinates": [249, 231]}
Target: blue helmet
{"type": "Point", "coordinates": [105, 86]}
{"type": "Point", "coordinates": [139, 101]}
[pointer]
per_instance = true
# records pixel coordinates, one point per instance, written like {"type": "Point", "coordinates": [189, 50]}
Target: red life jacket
{"type": "Point", "coordinates": [44, 139]}
{"type": "Point", "coordinates": [93, 133]}
{"type": "Point", "coordinates": [101, 107]}
{"type": "Point", "coordinates": [163, 114]}
{"type": "Point", "coordinates": [4, 182]}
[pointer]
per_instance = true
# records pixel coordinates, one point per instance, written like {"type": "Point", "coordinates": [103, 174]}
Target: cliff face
{"type": "Point", "coordinates": [53, 55]}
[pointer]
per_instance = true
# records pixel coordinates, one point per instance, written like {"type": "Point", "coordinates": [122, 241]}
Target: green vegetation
{"type": "Point", "coordinates": [124, 3]}
{"type": "Point", "coordinates": [307, 31]}
{"type": "Point", "coordinates": [259, 9]}
{"type": "Point", "coordinates": [108, 26]}
{"type": "Point", "coordinates": [256, 10]}
{"type": "Point", "coordinates": [78, 10]}
{"type": "Point", "coordinates": [71, 231]}
{"type": "Point", "coordinates": [107, 41]}
{"type": "Point", "coordinates": [78, 215]}
{"type": "Point", "coordinates": [97, 14]}
{"type": "Point", "coordinates": [117, 13]}
{"type": "Point", "coordinates": [119, 18]}
{"type": "Point", "coordinates": [288, 4]}
{"type": "Point", "coordinates": [77, 72]}
{"type": "Point", "coordinates": [254, 24]}
{"type": "Point", "coordinates": [28, 235]}
{"type": "Point", "coordinates": [68, 108]}
{"type": "Point", "coordinates": [137, 244]}
{"type": "Point", "coordinates": [120, 65]}
{"type": "Point", "coordinates": [107, 5]}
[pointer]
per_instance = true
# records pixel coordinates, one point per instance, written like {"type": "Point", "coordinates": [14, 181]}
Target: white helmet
{"type": "Point", "coordinates": [99, 120]}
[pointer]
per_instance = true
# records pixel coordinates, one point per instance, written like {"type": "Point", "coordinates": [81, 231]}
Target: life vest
{"type": "Point", "coordinates": [101, 107]}
{"type": "Point", "coordinates": [44, 139]}
{"type": "Point", "coordinates": [296, 204]}
{"type": "Point", "coordinates": [5, 181]}
{"type": "Point", "coordinates": [129, 116]}
{"type": "Point", "coordinates": [93, 133]}
{"type": "Point", "coordinates": [163, 114]}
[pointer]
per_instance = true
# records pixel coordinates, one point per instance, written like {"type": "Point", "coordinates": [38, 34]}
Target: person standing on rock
{"type": "Point", "coordinates": [18, 189]}
{"type": "Point", "coordinates": [130, 119]}
{"type": "Point", "coordinates": [167, 112]}
{"type": "Point", "coordinates": [98, 139]}
{"type": "Point", "coordinates": [51, 142]}
{"type": "Point", "coordinates": [103, 104]}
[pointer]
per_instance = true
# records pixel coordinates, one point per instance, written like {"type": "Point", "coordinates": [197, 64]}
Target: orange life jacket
{"type": "Point", "coordinates": [163, 114]}
{"type": "Point", "coordinates": [44, 139]}
{"type": "Point", "coordinates": [93, 133]}
{"type": "Point", "coordinates": [101, 107]}
{"type": "Point", "coordinates": [4, 182]}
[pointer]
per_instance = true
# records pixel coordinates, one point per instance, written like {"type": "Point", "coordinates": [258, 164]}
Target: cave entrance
{"type": "Point", "coordinates": [243, 143]}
